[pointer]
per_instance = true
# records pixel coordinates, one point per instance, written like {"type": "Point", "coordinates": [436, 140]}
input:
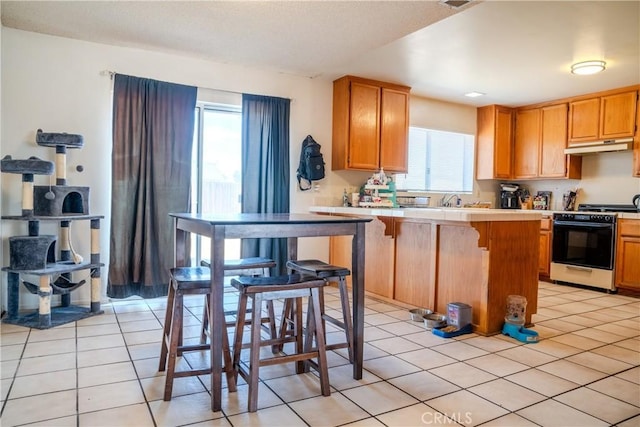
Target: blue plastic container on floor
{"type": "Point", "coordinates": [520, 333]}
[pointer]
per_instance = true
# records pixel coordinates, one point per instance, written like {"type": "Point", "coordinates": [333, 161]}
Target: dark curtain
{"type": "Point", "coordinates": [152, 138]}
{"type": "Point", "coordinates": [265, 169]}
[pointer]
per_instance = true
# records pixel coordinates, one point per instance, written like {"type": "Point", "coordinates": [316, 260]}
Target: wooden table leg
{"type": "Point", "coordinates": [357, 262]}
{"type": "Point", "coordinates": [216, 314]}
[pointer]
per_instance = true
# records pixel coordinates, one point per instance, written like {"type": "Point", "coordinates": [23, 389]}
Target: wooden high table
{"type": "Point", "coordinates": [290, 226]}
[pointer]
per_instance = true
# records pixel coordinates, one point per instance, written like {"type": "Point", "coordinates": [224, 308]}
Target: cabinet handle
{"type": "Point", "coordinates": [573, 267]}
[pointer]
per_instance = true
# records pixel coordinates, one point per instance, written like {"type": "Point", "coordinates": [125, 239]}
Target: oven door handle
{"type": "Point", "coordinates": [574, 267]}
{"type": "Point", "coordinates": [583, 224]}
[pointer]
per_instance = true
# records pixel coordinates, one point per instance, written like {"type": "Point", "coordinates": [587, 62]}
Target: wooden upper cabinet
{"type": "Point", "coordinates": [526, 150]}
{"type": "Point", "coordinates": [618, 115]}
{"type": "Point", "coordinates": [636, 146]}
{"type": "Point", "coordinates": [584, 119]}
{"type": "Point", "coordinates": [636, 156]}
{"type": "Point", "coordinates": [553, 162]}
{"type": "Point", "coordinates": [540, 140]}
{"type": "Point", "coordinates": [494, 142]}
{"type": "Point", "coordinates": [604, 117]}
{"type": "Point", "coordinates": [394, 128]}
{"type": "Point", "coordinates": [370, 125]}
{"type": "Point", "coordinates": [364, 129]}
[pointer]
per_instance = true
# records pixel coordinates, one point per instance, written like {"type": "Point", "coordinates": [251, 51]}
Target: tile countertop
{"type": "Point", "coordinates": [444, 214]}
{"type": "Point", "coordinates": [453, 214]}
{"type": "Point", "coordinates": [629, 215]}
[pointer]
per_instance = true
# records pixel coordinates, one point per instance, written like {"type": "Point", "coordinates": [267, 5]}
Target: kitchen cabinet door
{"type": "Point", "coordinates": [544, 260]}
{"type": "Point", "coordinates": [364, 133]}
{"type": "Point", "coordinates": [370, 125]}
{"type": "Point", "coordinates": [394, 129]}
{"type": "Point", "coordinates": [636, 146]}
{"type": "Point", "coordinates": [605, 117]}
{"type": "Point", "coordinates": [414, 276]}
{"type": "Point", "coordinates": [540, 140]}
{"type": "Point", "coordinates": [553, 162]}
{"type": "Point", "coordinates": [494, 142]}
{"type": "Point", "coordinates": [526, 149]}
{"type": "Point", "coordinates": [584, 120]}
{"type": "Point", "coordinates": [627, 271]}
{"type": "Point", "coordinates": [636, 157]}
{"type": "Point", "coordinates": [618, 115]}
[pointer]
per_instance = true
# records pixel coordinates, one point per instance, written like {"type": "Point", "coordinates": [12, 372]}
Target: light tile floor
{"type": "Point", "coordinates": [103, 371]}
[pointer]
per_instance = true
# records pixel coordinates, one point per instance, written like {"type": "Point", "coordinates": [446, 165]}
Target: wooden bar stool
{"type": "Point", "coordinates": [291, 287]}
{"type": "Point", "coordinates": [197, 281]}
{"type": "Point", "coordinates": [186, 281]}
{"type": "Point", "coordinates": [330, 273]}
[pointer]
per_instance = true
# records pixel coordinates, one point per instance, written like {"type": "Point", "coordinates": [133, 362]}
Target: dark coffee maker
{"type": "Point", "coordinates": [509, 196]}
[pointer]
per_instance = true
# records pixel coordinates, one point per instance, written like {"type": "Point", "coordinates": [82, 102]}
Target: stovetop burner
{"type": "Point", "coordinates": [607, 208]}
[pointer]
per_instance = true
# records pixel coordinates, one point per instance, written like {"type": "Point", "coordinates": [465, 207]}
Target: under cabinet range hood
{"type": "Point", "coordinates": [600, 146]}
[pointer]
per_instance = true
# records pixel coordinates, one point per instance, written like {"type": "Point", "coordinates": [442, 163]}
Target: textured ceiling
{"type": "Point", "coordinates": [517, 52]}
{"type": "Point", "coordinates": [297, 37]}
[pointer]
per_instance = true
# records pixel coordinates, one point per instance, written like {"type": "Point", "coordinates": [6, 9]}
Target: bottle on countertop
{"type": "Point", "coordinates": [345, 198]}
{"type": "Point", "coordinates": [383, 177]}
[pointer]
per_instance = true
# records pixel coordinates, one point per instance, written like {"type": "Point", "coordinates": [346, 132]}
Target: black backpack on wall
{"type": "Point", "coordinates": [311, 166]}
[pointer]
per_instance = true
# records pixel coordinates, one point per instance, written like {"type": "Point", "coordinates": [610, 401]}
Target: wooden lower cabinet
{"type": "Point", "coordinates": [627, 274]}
{"type": "Point", "coordinates": [415, 269]}
{"type": "Point", "coordinates": [481, 264]}
{"type": "Point", "coordinates": [379, 260]}
{"type": "Point", "coordinates": [544, 258]}
{"type": "Point", "coordinates": [430, 263]}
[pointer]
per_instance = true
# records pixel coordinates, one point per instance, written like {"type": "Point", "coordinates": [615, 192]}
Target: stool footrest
{"type": "Point", "coordinates": [333, 321]}
{"type": "Point", "coordinates": [337, 346]}
{"type": "Point", "coordinates": [195, 372]}
{"type": "Point", "coordinates": [288, 358]}
{"type": "Point", "coordinates": [193, 347]}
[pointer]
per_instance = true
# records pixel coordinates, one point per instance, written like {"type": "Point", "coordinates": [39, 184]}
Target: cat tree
{"type": "Point", "coordinates": [36, 255]}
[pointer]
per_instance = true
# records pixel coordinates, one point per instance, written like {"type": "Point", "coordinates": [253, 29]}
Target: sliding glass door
{"type": "Point", "coordinates": [217, 167]}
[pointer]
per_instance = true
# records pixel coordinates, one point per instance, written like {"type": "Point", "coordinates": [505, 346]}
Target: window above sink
{"type": "Point", "coordinates": [439, 161]}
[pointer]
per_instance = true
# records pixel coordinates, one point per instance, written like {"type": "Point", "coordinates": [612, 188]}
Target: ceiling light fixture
{"type": "Point", "coordinates": [474, 94]}
{"type": "Point", "coordinates": [588, 67]}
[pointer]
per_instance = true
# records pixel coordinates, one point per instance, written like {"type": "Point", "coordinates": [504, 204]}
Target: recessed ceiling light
{"type": "Point", "coordinates": [588, 67]}
{"type": "Point", "coordinates": [474, 94]}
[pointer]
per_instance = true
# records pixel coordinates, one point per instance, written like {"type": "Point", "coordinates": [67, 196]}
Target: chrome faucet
{"type": "Point", "coordinates": [446, 199]}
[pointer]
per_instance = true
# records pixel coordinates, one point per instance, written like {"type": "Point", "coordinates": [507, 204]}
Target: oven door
{"type": "Point", "coordinates": [584, 244]}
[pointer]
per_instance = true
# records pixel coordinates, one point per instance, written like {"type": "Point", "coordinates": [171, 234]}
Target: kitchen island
{"type": "Point", "coordinates": [429, 257]}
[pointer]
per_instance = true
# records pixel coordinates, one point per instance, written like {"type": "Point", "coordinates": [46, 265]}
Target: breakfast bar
{"type": "Point", "coordinates": [434, 256]}
{"type": "Point", "coordinates": [284, 225]}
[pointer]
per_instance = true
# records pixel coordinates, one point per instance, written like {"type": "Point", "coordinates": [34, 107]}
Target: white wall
{"type": "Point", "coordinates": [606, 178]}
{"type": "Point", "coordinates": [58, 85]}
